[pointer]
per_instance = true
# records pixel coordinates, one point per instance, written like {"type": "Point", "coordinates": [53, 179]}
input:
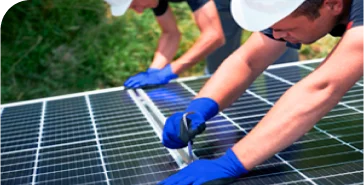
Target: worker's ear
{"type": "Point", "coordinates": [334, 7]}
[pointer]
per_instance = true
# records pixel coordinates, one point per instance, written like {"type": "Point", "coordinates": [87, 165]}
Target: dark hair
{"type": "Point", "coordinates": [309, 8]}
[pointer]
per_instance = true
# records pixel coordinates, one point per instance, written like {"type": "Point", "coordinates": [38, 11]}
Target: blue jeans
{"type": "Point", "coordinates": [233, 32]}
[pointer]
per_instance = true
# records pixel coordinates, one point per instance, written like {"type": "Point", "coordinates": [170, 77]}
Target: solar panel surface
{"type": "Point", "coordinates": [106, 137]}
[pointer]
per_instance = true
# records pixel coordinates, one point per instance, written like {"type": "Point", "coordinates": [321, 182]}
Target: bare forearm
{"type": "Point", "coordinates": [241, 68]}
{"type": "Point", "coordinates": [292, 116]}
{"type": "Point", "coordinates": [167, 48]}
{"type": "Point", "coordinates": [211, 38]}
{"type": "Point", "coordinates": [233, 77]}
{"type": "Point", "coordinates": [206, 44]}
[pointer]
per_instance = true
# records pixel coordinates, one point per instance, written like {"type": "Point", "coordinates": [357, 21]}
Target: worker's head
{"type": "Point", "coordinates": [303, 21]}
{"type": "Point", "coordinates": [119, 7]}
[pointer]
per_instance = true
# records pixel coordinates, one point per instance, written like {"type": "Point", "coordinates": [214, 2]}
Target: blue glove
{"type": "Point", "coordinates": [174, 132]}
{"type": "Point", "coordinates": [222, 170]}
{"type": "Point", "coordinates": [139, 77]}
{"type": "Point", "coordinates": [152, 78]}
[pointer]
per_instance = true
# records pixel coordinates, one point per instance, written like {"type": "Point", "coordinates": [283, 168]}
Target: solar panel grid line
{"type": "Point", "coordinates": [312, 69]}
{"type": "Point", "coordinates": [39, 141]}
{"type": "Point", "coordinates": [97, 138]}
{"type": "Point", "coordinates": [16, 139]}
{"type": "Point", "coordinates": [109, 164]}
{"type": "Point", "coordinates": [311, 148]}
{"type": "Point", "coordinates": [55, 125]}
{"type": "Point", "coordinates": [335, 116]}
{"type": "Point", "coordinates": [151, 173]}
{"type": "Point", "coordinates": [337, 138]}
{"type": "Point", "coordinates": [342, 174]}
{"type": "Point", "coordinates": [290, 64]}
{"type": "Point", "coordinates": [350, 107]}
{"type": "Point", "coordinates": [116, 117]}
{"type": "Point", "coordinates": [21, 113]}
{"type": "Point", "coordinates": [125, 114]}
{"type": "Point", "coordinates": [259, 108]}
{"type": "Point", "coordinates": [190, 78]}
{"type": "Point", "coordinates": [346, 117]}
{"type": "Point", "coordinates": [347, 127]}
{"type": "Point", "coordinates": [316, 127]}
{"type": "Point", "coordinates": [238, 126]}
{"type": "Point", "coordinates": [129, 134]}
{"type": "Point", "coordinates": [156, 127]}
{"type": "Point", "coordinates": [222, 132]}
{"type": "Point", "coordinates": [20, 122]}
{"type": "Point", "coordinates": [348, 135]}
{"type": "Point", "coordinates": [183, 153]}
{"type": "Point", "coordinates": [11, 131]}
{"type": "Point", "coordinates": [63, 97]}
{"type": "Point", "coordinates": [65, 178]}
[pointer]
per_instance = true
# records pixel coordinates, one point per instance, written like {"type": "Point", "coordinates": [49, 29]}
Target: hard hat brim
{"type": "Point", "coordinates": [119, 10]}
{"type": "Point", "coordinates": [257, 15]}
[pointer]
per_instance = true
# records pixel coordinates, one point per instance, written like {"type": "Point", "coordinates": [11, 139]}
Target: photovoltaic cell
{"type": "Point", "coordinates": [67, 121]}
{"type": "Point", "coordinates": [132, 151]}
{"type": "Point", "coordinates": [70, 164]}
{"type": "Point", "coordinates": [20, 127]}
{"type": "Point", "coordinates": [17, 167]}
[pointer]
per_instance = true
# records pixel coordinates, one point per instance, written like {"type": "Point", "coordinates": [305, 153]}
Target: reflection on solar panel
{"type": "Point", "coordinates": [113, 136]}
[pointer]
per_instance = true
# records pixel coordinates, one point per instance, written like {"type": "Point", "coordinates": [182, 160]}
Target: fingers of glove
{"type": "Point", "coordinates": [133, 84]}
{"type": "Point", "coordinates": [172, 143]}
{"type": "Point", "coordinates": [132, 80]}
{"type": "Point", "coordinates": [171, 132]}
{"type": "Point", "coordinates": [128, 81]}
{"type": "Point", "coordinates": [139, 83]}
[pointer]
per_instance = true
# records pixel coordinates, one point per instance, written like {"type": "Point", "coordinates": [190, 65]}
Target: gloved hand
{"type": "Point", "coordinates": [139, 77]}
{"type": "Point", "coordinates": [174, 133]}
{"type": "Point", "coordinates": [222, 170]}
{"type": "Point", "coordinates": [151, 77]}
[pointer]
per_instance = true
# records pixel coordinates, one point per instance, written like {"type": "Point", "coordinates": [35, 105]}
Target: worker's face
{"type": "Point", "coordinates": [140, 5]}
{"type": "Point", "coordinates": [301, 29]}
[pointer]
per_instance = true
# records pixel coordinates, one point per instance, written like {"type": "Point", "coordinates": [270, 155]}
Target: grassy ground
{"type": "Point", "coordinates": [54, 47]}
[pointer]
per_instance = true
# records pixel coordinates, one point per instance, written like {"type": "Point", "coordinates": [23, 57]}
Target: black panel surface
{"type": "Point", "coordinates": [20, 127]}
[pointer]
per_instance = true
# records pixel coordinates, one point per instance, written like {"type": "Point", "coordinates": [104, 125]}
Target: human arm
{"type": "Point", "coordinates": [168, 42]}
{"type": "Point", "coordinates": [305, 103]}
{"type": "Point", "coordinates": [226, 85]}
{"type": "Point", "coordinates": [241, 68]}
{"type": "Point", "coordinates": [211, 37]}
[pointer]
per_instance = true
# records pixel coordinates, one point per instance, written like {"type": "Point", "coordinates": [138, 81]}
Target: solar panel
{"type": "Point", "coordinates": [113, 136]}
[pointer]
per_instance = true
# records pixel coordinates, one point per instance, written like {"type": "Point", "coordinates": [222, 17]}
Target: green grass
{"type": "Point", "coordinates": [55, 47]}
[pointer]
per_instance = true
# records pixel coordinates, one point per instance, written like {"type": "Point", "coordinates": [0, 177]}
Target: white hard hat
{"type": "Point", "coordinates": [257, 15]}
{"type": "Point", "coordinates": [118, 7]}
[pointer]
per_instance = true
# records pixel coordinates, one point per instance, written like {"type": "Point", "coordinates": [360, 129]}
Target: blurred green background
{"type": "Point", "coordinates": [55, 47]}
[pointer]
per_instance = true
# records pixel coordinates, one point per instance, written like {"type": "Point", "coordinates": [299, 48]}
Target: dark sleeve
{"type": "Point", "coordinates": [196, 4]}
{"type": "Point", "coordinates": [356, 13]}
{"type": "Point", "coordinates": [269, 33]}
{"type": "Point", "coordinates": [161, 8]}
